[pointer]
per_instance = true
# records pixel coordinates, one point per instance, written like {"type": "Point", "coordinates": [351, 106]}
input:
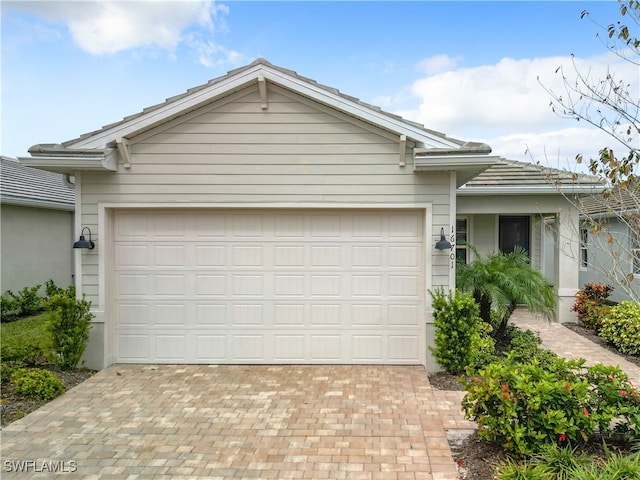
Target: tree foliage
{"type": "Point", "coordinates": [612, 104]}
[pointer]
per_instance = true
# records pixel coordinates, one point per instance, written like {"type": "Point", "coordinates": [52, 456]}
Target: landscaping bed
{"type": "Point", "coordinates": [15, 406]}
{"type": "Point", "coordinates": [476, 458]}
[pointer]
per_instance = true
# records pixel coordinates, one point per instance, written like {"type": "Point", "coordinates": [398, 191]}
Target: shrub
{"type": "Point", "coordinates": [621, 327]}
{"type": "Point", "coordinates": [591, 304]}
{"type": "Point", "coordinates": [524, 345]}
{"type": "Point", "coordinates": [37, 383]}
{"type": "Point", "coordinates": [25, 303]}
{"type": "Point", "coordinates": [69, 325]}
{"type": "Point", "coordinates": [8, 309]}
{"type": "Point", "coordinates": [6, 371]}
{"type": "Point", "coordinates": [457, 335]}
{"type": "Point", "coordinates": [525, 405]}
{"type": "Point", "coordinates": [27, 355]}
{"type": "Point", "coordinates": [51, 289]}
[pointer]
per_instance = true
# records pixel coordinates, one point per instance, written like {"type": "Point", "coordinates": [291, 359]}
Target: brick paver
{"type": "Point", "coordinates": [568, 344]}
{"type": "Point", "coordinates": [317, 422]}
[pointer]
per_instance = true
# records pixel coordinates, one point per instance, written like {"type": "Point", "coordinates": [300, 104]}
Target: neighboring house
{"type": "Point", "coordinates": [611, 255]}
{"type": "Point", "coordinates": [36, 227]}
{"type": "Point", "coordinates": [265, 218]}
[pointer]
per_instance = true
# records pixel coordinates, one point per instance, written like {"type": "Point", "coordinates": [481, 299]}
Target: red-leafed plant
{"type": "Point", "coordinates": [592, 304]}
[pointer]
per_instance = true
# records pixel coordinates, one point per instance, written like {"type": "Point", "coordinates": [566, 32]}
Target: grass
{"type": "Point", "coordinates": [26, 332]}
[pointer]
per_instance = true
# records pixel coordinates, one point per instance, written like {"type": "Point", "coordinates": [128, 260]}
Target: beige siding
{"type": "Point", "coordinates": [294, 152]}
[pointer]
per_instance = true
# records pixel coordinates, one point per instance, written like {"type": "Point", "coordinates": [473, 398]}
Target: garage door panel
{"type": "Point", "coordinates": [170, 314]}
{"type": "Point", "coordinates": [269, 287]}
{"type": "Point", "coordinates": [170, 347]}
{"type": "Point", "coordinates": [211, 314]}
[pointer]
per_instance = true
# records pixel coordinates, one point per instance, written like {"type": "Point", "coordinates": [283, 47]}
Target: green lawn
{"type": "Point", "coordinates": [29, 331]}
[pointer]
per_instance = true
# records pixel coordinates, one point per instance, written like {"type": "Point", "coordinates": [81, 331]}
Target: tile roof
{"type": "Point", "coordinates": [512, 173]}
{"type": "Point", "coordinates": [256, 63]}
{"type": "Point", "coordinates": [29, 186]}
{"type": "Point", "coordinates": [612, 202]}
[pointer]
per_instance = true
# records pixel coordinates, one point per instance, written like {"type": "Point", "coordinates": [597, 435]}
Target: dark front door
{"type": "Point", "coordinates": [514, 231]}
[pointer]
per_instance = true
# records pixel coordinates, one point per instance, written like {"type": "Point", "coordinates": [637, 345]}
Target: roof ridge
{"type": "Point", "coordinates": [256, 63]}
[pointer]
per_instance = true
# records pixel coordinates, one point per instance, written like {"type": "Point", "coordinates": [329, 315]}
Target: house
{"type": "Point", "coordinates": [611, 254]}
{"type": "Point", "coordinates": [266, 218]}
{"type": "Point", "coordinates": [36, 227]}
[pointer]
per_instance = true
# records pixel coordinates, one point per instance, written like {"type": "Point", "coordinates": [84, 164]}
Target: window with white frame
{"type": "Point", "coordinates": [462, 237]}
{"type": "Point", "coordinates": [584, 252]}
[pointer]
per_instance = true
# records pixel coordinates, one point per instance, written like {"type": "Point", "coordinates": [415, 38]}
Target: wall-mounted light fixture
{"type": "Point", "coordinates": [83, 243]}
{"type": "Point", "coordinates": [443, 244]}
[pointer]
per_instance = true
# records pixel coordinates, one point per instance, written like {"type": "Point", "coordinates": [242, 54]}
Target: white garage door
{"type": "Point", "coordinates": [287, 286]}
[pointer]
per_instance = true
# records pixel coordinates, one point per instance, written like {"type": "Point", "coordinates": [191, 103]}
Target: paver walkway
{"type": "Point", "coordinates": [568, 344]}
{"type": "Point", "coordinates": [190, 422]}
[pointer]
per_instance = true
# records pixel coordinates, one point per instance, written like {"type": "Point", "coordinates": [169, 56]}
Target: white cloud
{"type": "Point", "coordinates": [506, 106]}
{"type": "Point", "coordinates": [112, 26]}
{"type": "Point", "coordinates": [437, 64]}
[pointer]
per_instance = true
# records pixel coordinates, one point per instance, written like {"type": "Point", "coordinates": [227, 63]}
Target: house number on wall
{"type": "Point", "coordinates": [452, 241]}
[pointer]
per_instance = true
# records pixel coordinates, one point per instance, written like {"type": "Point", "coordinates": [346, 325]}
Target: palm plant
{"type": "Point", "coordinates": [501, 281]}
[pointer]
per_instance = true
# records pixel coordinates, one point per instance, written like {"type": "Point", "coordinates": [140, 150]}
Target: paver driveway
{"type": "Point", "coordinates": [335, 422]}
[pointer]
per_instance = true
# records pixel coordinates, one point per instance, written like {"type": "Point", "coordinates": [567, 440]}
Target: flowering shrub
{"type": "Point", "coordinates": [591, 304]}
{"type": "Point", "coordinates": [525, 405]}
{"type": "Point", "coordinates": [621, 327]}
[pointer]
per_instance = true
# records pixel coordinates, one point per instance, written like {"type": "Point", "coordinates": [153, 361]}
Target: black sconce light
{"type": "Point", "coordinates": [443, 244]}
{"type": "Point", "coordinates": [83, 243]}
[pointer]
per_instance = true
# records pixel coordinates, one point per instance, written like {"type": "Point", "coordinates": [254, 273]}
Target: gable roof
{"type": "Point", "coordinates": [97, 150]}
{"type": "Point", "coordinates": [24, 186]}
{"type": "Point", "coordinates": [515, 177]}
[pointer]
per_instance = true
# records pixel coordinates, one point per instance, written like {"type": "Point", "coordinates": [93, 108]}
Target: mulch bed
{"type": "Point", "coordinates": [13, 406]}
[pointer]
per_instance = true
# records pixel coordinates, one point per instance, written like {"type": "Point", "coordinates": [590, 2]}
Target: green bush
{"type": "Point", "coordinates": [525, 405]}
{"type": "Point", "coordinates": [37, 383]}
{"type": "Point", "coordinates": [69, 324]}
{"type": "Point", "coordinates": [26, 302]}
{"type": "Point", "coordinates": [525, 345]}
{"type": "Point", "coordinates": [457, 334]}
{"type": "Point", "coordinates": [51, 289]}
{"type": "Point", "coordinates": [621, 327]}
{"type": "Point", "coordinates": [6, 371]}
{"type": "Point", "coordinates": [8, 309]}
{"type": "Point", "coordinates": [27, 355]}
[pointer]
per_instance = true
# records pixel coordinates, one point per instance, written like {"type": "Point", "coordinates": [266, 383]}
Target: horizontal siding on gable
{"type": "Point", "coordinates": [233, 152]}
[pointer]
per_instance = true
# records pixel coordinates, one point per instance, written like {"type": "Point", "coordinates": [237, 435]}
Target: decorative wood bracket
{"type": "Point", "coordinates": [262, 85]}
{"type": "Point", "coordinates": [123, 149]}
{"type": "Point", "coordinates": [403, 150]}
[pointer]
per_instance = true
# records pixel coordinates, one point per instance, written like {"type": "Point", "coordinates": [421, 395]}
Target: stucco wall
{"type": "Point", "coordinates": [600, 260]}
{"type": "Point", "coordinates": [36, 246]}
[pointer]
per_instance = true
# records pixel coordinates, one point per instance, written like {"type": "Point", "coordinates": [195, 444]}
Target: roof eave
{"type": "Point", "coordinates": [31, 203]}
{"type": "Point", "coordinates": [55, 158]}
{"type": "Point", "coordinates": [576, 190]}
{"type": "Point", "coordinates": [466, 165]}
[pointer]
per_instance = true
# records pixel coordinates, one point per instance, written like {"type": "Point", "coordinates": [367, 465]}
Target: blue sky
{"type": "Point", "coordinates": [467, 69]}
